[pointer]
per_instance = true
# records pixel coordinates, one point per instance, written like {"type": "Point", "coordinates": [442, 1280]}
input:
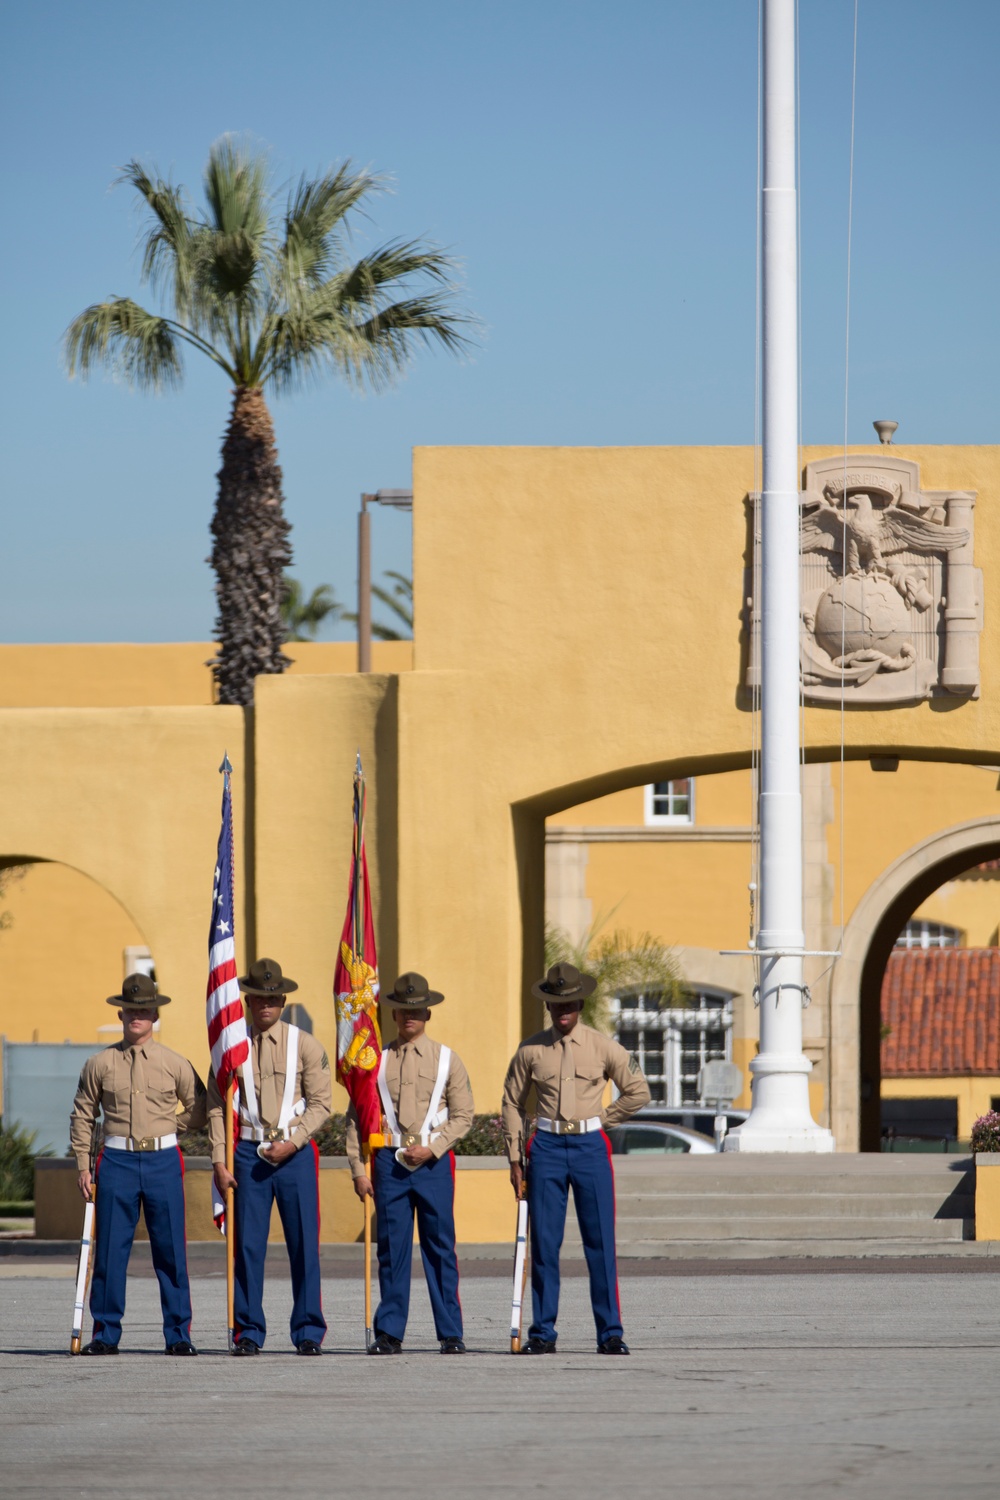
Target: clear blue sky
{"type": "Point", "coordinates": [593, 166]}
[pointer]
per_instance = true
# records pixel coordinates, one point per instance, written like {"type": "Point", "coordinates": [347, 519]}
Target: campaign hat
{"type": "Point", "coordinates": [564, 983]}
{"type": "Point", "coordinates": [139, 992]}
{"type": "Point", "coordinates": [264, 977]}
{"type": "Point", "coordinates": [411, 992]}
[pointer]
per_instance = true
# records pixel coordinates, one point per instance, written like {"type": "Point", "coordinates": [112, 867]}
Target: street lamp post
{"type": "Point", "coordinates": [395, 500]}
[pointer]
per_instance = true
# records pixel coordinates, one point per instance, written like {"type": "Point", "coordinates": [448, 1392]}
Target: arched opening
{"type": "Point", "coordinates": [855, 1002]}
{"type": "Point", "coordinates": [895, 917]}
{"type": "Point", "coordinates": [65, 944]}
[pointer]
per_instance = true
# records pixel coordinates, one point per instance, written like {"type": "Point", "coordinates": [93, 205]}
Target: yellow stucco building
{"type": "Point", "coordinates": [584, 631]}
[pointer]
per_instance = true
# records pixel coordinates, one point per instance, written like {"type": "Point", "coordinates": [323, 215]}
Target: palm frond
{"type": "Point", "coordinates": [396, 601]}
{"type": "Point", "coordinates": [123, 337]}
{"type": "Point", "coordinates": [315, 211]}
{"type": "Point", "coordinates": [303, 617]}
{"type": "Point", "coordinates": [621, 963]}
{"type": "Point", "coordinates": [166, 248]}
{"type": "Point", "coordinates": [236, 189]}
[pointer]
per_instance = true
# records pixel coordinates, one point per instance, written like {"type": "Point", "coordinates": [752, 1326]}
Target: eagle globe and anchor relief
{"type": "Point", "coordinates": [891, 603]}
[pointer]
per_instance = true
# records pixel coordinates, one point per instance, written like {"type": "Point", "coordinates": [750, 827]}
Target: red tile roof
{"type": "Point", "coordinates": [941, 1010]}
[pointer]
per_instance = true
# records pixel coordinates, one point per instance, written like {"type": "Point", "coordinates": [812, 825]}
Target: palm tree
{"type": "Point", "coordinates": [621, 963]}
{"type": "Point", "coordinates": [272, 298]}
{"type": "Point", "coordinates": [302, 617]}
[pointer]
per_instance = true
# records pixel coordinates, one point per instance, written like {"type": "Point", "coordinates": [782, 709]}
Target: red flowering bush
{"type": "Point", "coordinates": [986, 1132]}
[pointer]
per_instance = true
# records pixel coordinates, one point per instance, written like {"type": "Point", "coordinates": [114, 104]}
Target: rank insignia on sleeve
{"type": "Point", "coordinates": [326, 1062]}
{"type": "Point", "coordinates": [633, 1064]}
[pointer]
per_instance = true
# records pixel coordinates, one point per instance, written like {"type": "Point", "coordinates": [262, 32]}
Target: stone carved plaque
{"type": "Point", "coordinates": [891, 602]}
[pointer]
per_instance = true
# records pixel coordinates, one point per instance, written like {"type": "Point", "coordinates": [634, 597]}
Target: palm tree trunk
{"type": "Point", "coordinates": [251, 551]}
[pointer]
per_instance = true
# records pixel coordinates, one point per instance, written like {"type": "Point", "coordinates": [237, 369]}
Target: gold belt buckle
{"type": "Point", "coordinates": [148, 1143]}
{"type": "Point", "coordinates": [410, 1140]}
{"type": "Point", "coordinates": [274, 1134]}
{"type": "Point", "coordinates": [571, 1127]}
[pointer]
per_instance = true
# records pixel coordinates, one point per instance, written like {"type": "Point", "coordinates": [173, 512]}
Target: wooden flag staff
{"type": "Point", "coordinates": [368, 1252]}
{"type": "Point", "coordinates": [230, 1221]}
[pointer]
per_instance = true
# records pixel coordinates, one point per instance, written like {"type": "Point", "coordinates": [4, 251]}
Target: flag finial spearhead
{"type": "Point", "coordinates": [226, 769]}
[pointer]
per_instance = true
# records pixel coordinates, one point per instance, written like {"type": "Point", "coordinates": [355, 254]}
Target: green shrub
{"type": "Point", "coordinates": [194, 1143]}
{"type": "Point", "coordinates": [17, 1163]}
{"type": "Point", "coordinates": [484, 1139]}
{"type": "Point", "coordinates": [331, 1137]}
{"type": "Point", "coordinates": [986, 1132]}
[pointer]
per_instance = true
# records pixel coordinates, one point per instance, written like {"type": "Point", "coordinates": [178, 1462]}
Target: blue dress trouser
{"type": "Point", "coordinates": [555, 1164]}
{"type": "Point", "coordinates": [156, 1180]}
{"type": "Point", "coordinates": [294, 1186]}
{"type": "Point", "coordinates": [428, 1192]}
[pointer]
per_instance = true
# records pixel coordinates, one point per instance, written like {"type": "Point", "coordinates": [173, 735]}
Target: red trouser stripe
{"type": "Point", "coordinates": [614, 1200]}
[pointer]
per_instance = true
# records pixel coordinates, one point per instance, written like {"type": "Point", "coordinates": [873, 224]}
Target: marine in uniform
{"type": "Point", "coordinates": [568, 1066]}
{"type": "Point", "coordinates": [427, 1107]}
{"type": "Point", "coordinates": [138, 1085]}
{"type": "Point", "coordinates": [285, 1094]}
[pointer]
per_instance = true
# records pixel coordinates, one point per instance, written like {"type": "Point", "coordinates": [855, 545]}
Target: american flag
{"type": "Point", "coordinates": [227, 1028]}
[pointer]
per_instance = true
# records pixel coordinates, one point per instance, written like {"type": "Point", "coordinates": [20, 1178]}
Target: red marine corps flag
{"type": "Point", "coordinates": [355, 986]}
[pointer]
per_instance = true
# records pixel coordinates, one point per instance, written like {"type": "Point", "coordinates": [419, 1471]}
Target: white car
{"type": "Point", "coordinates": [649, 1138]}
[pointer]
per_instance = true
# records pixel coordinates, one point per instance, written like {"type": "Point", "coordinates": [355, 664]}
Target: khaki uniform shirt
{"type": "Point", "coordinates": [269, 1056]}
{"type": "Point", "coordinates": [568, 1075]}
{"type": "Point", "coordinates": [138, 1089]}
{"type": "Point", "coordinates": [410, 1075]}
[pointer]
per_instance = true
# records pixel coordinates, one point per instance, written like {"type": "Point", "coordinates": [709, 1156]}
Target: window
{"type": "Point", "coordinates": [919, 934]}
{"type": "Point", "coordinates": [672, 1045]}
{"type": "Point", "coordinates": [670, 801]}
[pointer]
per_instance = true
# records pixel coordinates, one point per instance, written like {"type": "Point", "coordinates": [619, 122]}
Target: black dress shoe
{"type": "Point", "coordinates": [536, 1345]}
{"type": "Point", "coordinates": [98, 1346]}
{"type": "Point", "coordinates": [386, 1344]}
{"type": "Point", "coordinates": [452, 1346]}
{"type": "Point", "coordinates": [245, 1346]}
{"type": "Point", "coordinates": [613, 1345]}
{"type": "Point", "coordinates": [183, 1346]}
{"type": "Point", "coordinates": [308, 1346]}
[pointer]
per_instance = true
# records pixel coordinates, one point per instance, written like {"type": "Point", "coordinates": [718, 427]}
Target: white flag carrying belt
{"type": "Point", "coordinates": [435, 1114]}
{"type": "Point", "coordinates": [254, 1127]}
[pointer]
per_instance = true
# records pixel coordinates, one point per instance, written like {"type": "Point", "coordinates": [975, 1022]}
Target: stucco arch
{"type": "Point", "coordinates": [868, 939]}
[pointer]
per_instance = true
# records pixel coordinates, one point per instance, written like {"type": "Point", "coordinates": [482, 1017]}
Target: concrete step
{"type": "Point", "coordinates": [704, 1227]}
{"type": "Point", "coordinates": [732, 1248]}
{"type": "Point", "coordinates": [712, 1180]}
{"type": "Point", "coordinates": [682, 1206]}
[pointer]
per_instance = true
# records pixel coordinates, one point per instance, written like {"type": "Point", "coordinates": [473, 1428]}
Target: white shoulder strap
{"type": "Point", "coordinates": [248, 1102]}
{"type": "Point", "coordinates": [444, 1065]}
{"type": "Point", "coordinates": [391, 1123]}
{"type": "Point", "coordinates": [291, 1073]}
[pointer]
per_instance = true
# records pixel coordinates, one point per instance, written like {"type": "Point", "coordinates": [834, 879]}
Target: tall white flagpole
{"type": "Point", "coordinates": [780, 1117]}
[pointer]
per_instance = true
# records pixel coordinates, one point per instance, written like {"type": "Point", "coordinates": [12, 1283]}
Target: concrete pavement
{"type": "Point", "coordinates": [830, 1383]}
